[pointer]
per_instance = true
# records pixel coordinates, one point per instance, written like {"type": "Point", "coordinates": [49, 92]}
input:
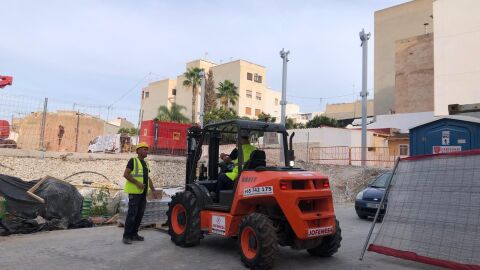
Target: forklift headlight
{"type": "Point", "coordinates": [292, 163]}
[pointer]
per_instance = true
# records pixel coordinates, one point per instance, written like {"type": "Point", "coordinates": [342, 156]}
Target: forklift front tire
{"type": "Point", "coordinates": [184, 219]}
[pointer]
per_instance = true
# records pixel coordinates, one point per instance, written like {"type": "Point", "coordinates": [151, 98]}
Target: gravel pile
{"type": "Point", "coordinates": [345, 181]}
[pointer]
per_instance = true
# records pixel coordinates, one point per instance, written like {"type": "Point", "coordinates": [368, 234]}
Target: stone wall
{"type": "Point", "coordinates": [167, 171]}
{"type": "Point", "coordinates": [30, 165]}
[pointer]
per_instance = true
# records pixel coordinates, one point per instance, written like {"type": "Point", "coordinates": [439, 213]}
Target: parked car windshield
{"type": "Point", "coordinates": [381, 181]}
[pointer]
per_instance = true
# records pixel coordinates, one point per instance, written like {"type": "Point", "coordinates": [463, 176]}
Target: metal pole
{"type": "Point", "coordinates": [77, 131]}
{"type": "Point", "coordinates": [201, 113]}
{"type": "Point", "coordinates": [284, 55]}
{"type": "Point", "coordinates": [44, 120]}
{"type": "Point", "coordinates": [364, 37]}
{"type": "Point", "coordinates": [283, 103]}
{"type": "Point", "coordinates": [308, 146]}
{"type": "Point", "coordinates": [387, 190]}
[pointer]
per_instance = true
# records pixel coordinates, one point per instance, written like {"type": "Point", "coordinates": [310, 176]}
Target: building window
{"type": "Point", "coordinates": [248, 110]}
{"type": "Point", "coordinates": [249, 76]}
{"type": "Point", "coordinates": [143, 94]}
{"type": "Point", "coordinates": [276, 102]}
{"type": "Point", "coordinates": [145, 132]}
{"type": "Point", "coordinates": [147, 94]}
{"type": "Point", "coordinates": [258, 96]}
{"type": "Point", "coordinates": [174, 92]}
{"type": "Point", "coordinates": [257, 112]}
{"type": "Point", "coordinates": [257, 78]}
{"type": "Point", "coordinates": [403, 149]}
{"type": "Point", "coordinates": [249, 93]}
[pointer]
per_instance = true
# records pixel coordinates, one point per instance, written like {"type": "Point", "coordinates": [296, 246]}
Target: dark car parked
{"type": "Point", "coordinates": [368, 200]}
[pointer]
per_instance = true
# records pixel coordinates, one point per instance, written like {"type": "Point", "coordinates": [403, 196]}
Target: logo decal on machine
{"type": "Point", "coordinates": [218, 225]}
{"type": "Point", "coordinates": [249, 179]}
{"type": "Point", "coordinates": [256, 191]}
{"type": "Point", "coordinates": [320, 231]}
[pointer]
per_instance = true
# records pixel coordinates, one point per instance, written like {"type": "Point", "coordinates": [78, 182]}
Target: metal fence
{"type": "Point", "coordinates": [344, 155]}
{"type": "Point", "coordinates": [50, 124]}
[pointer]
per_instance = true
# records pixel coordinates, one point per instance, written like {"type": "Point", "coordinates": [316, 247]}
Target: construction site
{"type": "Point", "coordinates": [217, 164]}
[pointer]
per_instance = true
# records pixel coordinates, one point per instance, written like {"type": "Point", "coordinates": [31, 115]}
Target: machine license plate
{"type": "Point", "coordinates": [255, 191]}
{"type": "Point", "coordinates": [320, 231]}
{"type": "Point", "coordinates": [374, 205]}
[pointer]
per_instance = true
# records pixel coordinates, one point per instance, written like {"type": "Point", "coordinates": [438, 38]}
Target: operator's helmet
{"type": "Point", "coordinates": [244, 134]}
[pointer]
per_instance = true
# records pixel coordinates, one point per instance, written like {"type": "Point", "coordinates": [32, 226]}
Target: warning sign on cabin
{"type": "Point", "coordinates": [446, 137]}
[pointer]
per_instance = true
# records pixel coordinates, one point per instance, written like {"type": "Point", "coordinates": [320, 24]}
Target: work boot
{"type": "Point", "coordinates": [138, 238]}
{"type": "Point", "coordinates": [127, 240]}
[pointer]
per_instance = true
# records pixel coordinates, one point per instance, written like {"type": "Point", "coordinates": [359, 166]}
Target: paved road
{"type": "Point", "coordinates": [101, 248]}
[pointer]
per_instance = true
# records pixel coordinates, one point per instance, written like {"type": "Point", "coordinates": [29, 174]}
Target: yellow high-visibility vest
{"type": "Point", "coordinates": [247, 150]}
{"type": "Point", "coordinates": [137, 174]}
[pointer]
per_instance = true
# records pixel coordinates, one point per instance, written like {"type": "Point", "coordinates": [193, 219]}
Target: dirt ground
{"type": "Point", "coordinates": [101, 248]}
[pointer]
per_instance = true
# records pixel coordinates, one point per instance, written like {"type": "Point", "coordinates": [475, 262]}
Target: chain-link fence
{"type": "Point", "coordinates": [54, 125]}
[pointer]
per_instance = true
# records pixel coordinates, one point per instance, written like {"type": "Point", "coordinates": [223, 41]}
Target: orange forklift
{"type": "Point", "coordinates": [268, 206]}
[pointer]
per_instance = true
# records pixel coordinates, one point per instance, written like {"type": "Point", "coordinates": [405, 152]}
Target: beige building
{"type": "Point", "coordinates": [457, 54]}
{"type": "Point", "coordinates": [254, 95]}
{"type": "Point", "coordinates": [392, 24]}
{"type": "Point", "coordinates": [414, 89]}
{"type": "Point", "coordinates": [66, 131]}
{"type": "Point", "coordinates": [156, 94]}
{"type": "Point", "coordinates": [347, 111]}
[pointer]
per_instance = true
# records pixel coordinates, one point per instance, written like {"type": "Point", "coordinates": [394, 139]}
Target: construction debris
{"type": "Point", "coordinates": [61, 207]}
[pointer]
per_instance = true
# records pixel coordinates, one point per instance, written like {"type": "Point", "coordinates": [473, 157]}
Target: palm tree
{"type": "Point", "coordinates": [174, 114]}
{"type": "Point", "coordinates": [193, 79]}
{"type": "Point", "coordinates": [227, 93]}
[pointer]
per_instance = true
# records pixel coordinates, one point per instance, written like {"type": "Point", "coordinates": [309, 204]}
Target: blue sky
{"type": "Point", "coordinates": [95, 52]}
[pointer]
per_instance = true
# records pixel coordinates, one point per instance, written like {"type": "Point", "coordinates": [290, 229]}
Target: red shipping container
{"type": "Point", "coordinates": [171, 137]}
{"type": "Point", "coordinates": [4, 129]}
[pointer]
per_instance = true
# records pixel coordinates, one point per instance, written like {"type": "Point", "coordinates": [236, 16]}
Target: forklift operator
{"type": "Point", "coordinates": [226, 180]}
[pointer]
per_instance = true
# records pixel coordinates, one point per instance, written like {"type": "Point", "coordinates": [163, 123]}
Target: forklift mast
{"type": "Point", "coordinates": [194, 152]}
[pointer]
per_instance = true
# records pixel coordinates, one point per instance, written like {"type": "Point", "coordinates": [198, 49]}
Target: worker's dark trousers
{"type": "Point", "coordinates": [136, 208]}
{"type": "Point", "coordinates": [223, 183]}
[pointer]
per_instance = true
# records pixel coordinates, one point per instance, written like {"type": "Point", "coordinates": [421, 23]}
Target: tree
{"type": "Point", "coordinates": [227, 93]}
{"type": "Point", "coordinates": [210, 97]}
{"type": "Point", "coordinates": [192, 76]}
{"type": "Point", "coordinates": [128, 131]}
{"type": "Point", "coordinates": [290, 124]}
{"type": "Point", "coordinates": [318, 121]}
{"type": "Point", "coordinates": [265, 117]}
{"type": "Point", "coordinates": [219, 114]}
{"type": "Point", "coordinates": [174, 114]}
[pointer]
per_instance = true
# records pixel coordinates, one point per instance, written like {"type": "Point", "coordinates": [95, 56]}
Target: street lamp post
{"type": "Point", "coordinates": [364, 37]}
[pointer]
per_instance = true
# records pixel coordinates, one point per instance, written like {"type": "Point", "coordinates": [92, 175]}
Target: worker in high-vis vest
{"type": "Point", "coordinates": [227, 180]}
{"type": "Point", "coordinates": [137, 185]}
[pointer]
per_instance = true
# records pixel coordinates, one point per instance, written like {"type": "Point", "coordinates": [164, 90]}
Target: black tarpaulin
{"type": "Point", "coordinates": [62, 208]}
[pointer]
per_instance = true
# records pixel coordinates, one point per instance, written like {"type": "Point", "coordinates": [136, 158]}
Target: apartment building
{"type": "Point", "coordinates": [392, 24]}
{"type": "Point", "coordinates": [456, 55]}
{"type": "Point", "coordinates": [254, 98]}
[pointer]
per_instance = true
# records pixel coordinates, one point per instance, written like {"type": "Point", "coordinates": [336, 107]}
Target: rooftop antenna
{"type": "Point", "coordinates": [206, 55]}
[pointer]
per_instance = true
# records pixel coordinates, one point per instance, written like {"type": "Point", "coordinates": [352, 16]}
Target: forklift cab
{"type": "Point", "coordinates": [212, 135]}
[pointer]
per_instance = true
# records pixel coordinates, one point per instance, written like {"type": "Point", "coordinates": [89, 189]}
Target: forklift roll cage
{"type": "Point", "coordinates": [196, 137]}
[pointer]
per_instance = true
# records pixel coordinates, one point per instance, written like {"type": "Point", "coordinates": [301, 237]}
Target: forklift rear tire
{"type": "Point", "coordinates": [184, 219]}
{"type": "Point", "coordinates": [329, 245]}
{"type": "Point", "coordinates": [258, 241]}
